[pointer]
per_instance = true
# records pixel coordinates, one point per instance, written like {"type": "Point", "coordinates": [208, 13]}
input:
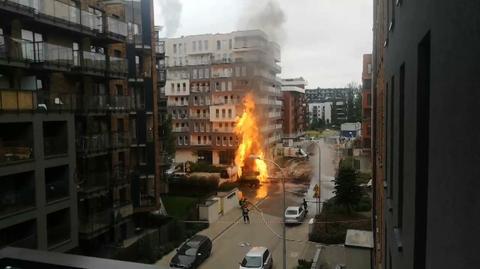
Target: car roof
{"type": "Point", "coordinates": [293, 208]}
{"type": "Point", "coordinates": [256, 251]}
{"type": "Point", "coordinates": [198, 238]}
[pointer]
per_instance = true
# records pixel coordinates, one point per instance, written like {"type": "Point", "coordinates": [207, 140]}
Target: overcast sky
{"type": "Point", "coordinates": [323, 40]}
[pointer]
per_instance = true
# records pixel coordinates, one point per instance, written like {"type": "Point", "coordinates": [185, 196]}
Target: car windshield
{"type": "Point", "coordinates": [291, 212]}
{"type": "Point", "coordinates": [252, 262]}
{"type": "Point", "coordinates": [187, 250]}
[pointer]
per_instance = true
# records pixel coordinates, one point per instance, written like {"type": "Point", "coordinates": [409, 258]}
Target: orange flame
{"type": "Point", "coordinates": [248, 131]}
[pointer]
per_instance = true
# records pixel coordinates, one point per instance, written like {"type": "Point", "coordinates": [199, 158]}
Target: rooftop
{"type": "Point", "coordinates": [358, 238]}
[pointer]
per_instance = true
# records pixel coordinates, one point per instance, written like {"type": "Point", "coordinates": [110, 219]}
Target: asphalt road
{"type": "Point", "coordinates": [265, 228]}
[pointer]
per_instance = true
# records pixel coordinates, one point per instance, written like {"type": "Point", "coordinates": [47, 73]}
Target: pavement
{"type": "Point", "coordinates": [232, 238]}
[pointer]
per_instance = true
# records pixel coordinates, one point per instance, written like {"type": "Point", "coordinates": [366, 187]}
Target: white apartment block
{"type": "Point", "coordinates": [207, 77]}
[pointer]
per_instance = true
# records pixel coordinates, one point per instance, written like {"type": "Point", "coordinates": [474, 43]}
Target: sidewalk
{"type": "Point", "coordinates": [217, 228]}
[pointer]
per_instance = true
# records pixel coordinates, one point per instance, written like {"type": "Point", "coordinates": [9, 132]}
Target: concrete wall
{"type": "Point", "coordinates": [358, 258]}
{"type": "Point", "coordinates": [184, 155]}
{"type": "Point", "coordinates": [209, 211]}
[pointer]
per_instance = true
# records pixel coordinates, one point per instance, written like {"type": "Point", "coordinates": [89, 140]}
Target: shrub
{"type": "Point", "coordinates": [228, 186]}
{"type": "Point", "coordinates": [204, 167]}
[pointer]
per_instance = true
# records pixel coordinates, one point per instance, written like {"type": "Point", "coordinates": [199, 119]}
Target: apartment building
{"type": "Point", "coordinates": [367, 102]}
{"type": "Point", "coordinates": [207, 78]}
{"type": "Point", "coordinates": [426, 59]}
{"type": "Point", "coordinates": [77, 144]}
{"type": "Point", "coordinates": [328, 104]}
{"type": "Point", "coordinates": [294, 107]}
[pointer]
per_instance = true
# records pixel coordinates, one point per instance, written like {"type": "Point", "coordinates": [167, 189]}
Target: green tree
{"type": "Point", "coordinates": [348, 191]}
{"type": "Point", "coordinates": [168, 137]}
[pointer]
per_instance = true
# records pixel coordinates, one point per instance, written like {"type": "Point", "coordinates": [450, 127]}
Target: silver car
{"type": "Point", "coordinates": [294, 214]}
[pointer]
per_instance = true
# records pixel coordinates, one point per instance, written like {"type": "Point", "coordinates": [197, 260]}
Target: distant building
{"type": "Point", "coordinates": [294, 107]}
{"type": "Point", "coordinates": [319, 99]}
{"type": "Point", "coordinates": [207, 77]}
{"type": "Point", "coordinates": [367, 102]}
{"type": "Point", "coordinates": [350, 129]}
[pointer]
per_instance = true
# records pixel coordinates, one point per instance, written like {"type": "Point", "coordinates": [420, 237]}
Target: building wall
{"type": "Point", "coordinates": [431, 54]}
{"type": "Point", "coordinates": [38, 166]}
{"type": "Point", "coordinates": [213, 73]}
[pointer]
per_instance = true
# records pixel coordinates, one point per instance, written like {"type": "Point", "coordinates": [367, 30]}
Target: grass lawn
{"type": "Point", "coordinates": [178, 206]}
{"type": "Point", "coordinates": [332, 228]}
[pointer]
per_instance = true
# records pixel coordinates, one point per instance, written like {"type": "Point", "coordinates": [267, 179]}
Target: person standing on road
{"type": "Point", "coordinates": [305, 205]}
{"type": "Point", "coordinates": [246, 218]}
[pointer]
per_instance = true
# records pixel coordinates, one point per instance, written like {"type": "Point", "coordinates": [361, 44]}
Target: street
{"type": "Point", "coordinates": [265, 229]}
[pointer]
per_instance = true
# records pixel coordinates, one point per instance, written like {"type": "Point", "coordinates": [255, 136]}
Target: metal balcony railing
{"type": "Point", "coordinates": [93, 143]}
{"type": "Point", "coordinates": [120, 140]}
{"type": "Point", "coordinates": [93, 180]}
{"type": "Point", "coordinates": [160, 47]}
{"type": "Point", "coordinates": [95, 221]}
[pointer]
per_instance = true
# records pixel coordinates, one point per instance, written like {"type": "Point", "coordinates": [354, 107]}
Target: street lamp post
{"type": "Point", "coordinates": [319, 172]}
{"type": "Point", "coordinates": [284, 231]}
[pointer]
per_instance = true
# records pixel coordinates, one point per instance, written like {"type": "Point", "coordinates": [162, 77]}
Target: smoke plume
{"type": "Point", "coordinates": [171, 12]}
{"type": "Point", "coordinates": [266, 15]}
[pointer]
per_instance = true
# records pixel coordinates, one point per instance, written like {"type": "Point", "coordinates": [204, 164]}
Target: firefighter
{"type": "Point", "coordinates": [246, 218]}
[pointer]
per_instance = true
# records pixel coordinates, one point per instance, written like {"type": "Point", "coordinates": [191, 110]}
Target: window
{"type": "Point", "coordinates": [195, 73]}
{"type": "Point", "coordinates": [225, 101]}
{"type": "Point", "coordinates": [207, 73]}
{"type": "Point", "coordinates": [180, 49]}
{"type": "Point", "coordinates": [199, 45]}
{"type": "Point", "coordinates": [205, 43]}
{"type": "Point", "coordinates": [194, 45]}
{"type": "Point", "coordinates": [219, 45]}
{"type": "Point", "coordinates": [220, 125]}
{"type": "Point", "coordinates": [244, 71]}
{"type": "Point", "coordinates": [230, 44]}
{"type": "Point", "coordinates": [237, 71]}
{"type": "Point", "coordinates": [199, 140]}
{"type": "Point", "coordinates": [223, 113]}
{"type": "Point", "coordinates": [369, 68]}
{"type": "Point", "coordinates": [401, 120]}
{"type": "Point", "coordinates": [174, 48]}
{"type": "Point", "coordinates": [229, 113]}
{"type": "Point", "coordinates": [217, 113]}
{"type": "Point", "coordinates": [200, 73]}
{"type": "Point", "coordinates": [422, 152]}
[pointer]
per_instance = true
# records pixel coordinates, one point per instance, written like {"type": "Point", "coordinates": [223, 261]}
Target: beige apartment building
{"type": "Point", "coordinates": [207, 77]}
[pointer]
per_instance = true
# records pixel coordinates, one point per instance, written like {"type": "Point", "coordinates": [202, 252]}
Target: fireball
{"type": "Point", "coordinates": [248, 132]}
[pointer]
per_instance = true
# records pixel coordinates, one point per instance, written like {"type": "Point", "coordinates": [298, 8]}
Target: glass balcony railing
{"type": "Point", "coordinates": [17, 193]}
{"type": "Point", "coordinates": [120, 140]}
{"type": "Point", "coordinates": [95, 221]}
{"type": "Point", "coordinates": [91, 21]}
{"type": "Point", "coordinates": [94, 61]}
{"type": "Point", "coordinates": [118, 65]}
{"type": "Point", "coordinates": [54, 54]}
{"type": "Point", "coordinates": [93, 180]}
{"type": "Point", "coordinates": [116, 27]}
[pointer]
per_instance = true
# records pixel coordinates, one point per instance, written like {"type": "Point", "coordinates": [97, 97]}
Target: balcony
{"type": "Point", "coordinates": [116, 28]}
{"type": "Point", "coordinates": [58, 227]}
{"type": "Point", "coordinates": [17, 193]}
{"type": "Point", "coordinates": [160, 47]}
{"type": "Point", "coordinates": [93, 62]}
{"type": "Point", "coordinates": [56, 183]}
{"type": "Point", "coordinates": [22, 235]}
{"type": "Point", "coordinates": [181, 129]}
{"type": "Point", "coordinates": [120, 140]}
{"type": "Point", "coordinates": [118, 66]}
{"type": "Point", "coordinates": [122, 210]}
{"type": "Point", "coordinates": [16, 143]}
{"type": "Point", "coordinates": [59, 14]}
{"type": "Point", "coordinates": [91, 181]}
{"type": "Point", "coordinates": [95, 222]}
{"type": "Point", "coordinates": [93, 144]}
{"type": "Point", "coordinates": [120, 174]}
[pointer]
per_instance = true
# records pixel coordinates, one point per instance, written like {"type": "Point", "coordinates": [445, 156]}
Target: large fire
{"type": "Point", "coordinates": [248, 131]}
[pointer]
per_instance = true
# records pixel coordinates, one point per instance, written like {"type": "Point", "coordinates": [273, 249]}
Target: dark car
{"type": "Point", "coordinates": [192, 252]}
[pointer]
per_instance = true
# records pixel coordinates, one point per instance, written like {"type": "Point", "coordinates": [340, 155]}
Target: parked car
{"type": "Point", "coordinates": [295, 214]}
{"type": "Point", "coordinates": [257, 258]}
{"type": "Point", "coordinates": [192, 252]}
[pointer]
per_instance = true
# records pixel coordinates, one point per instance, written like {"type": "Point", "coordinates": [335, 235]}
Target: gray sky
{"type": "Point", "coordinates": [324, 39]}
